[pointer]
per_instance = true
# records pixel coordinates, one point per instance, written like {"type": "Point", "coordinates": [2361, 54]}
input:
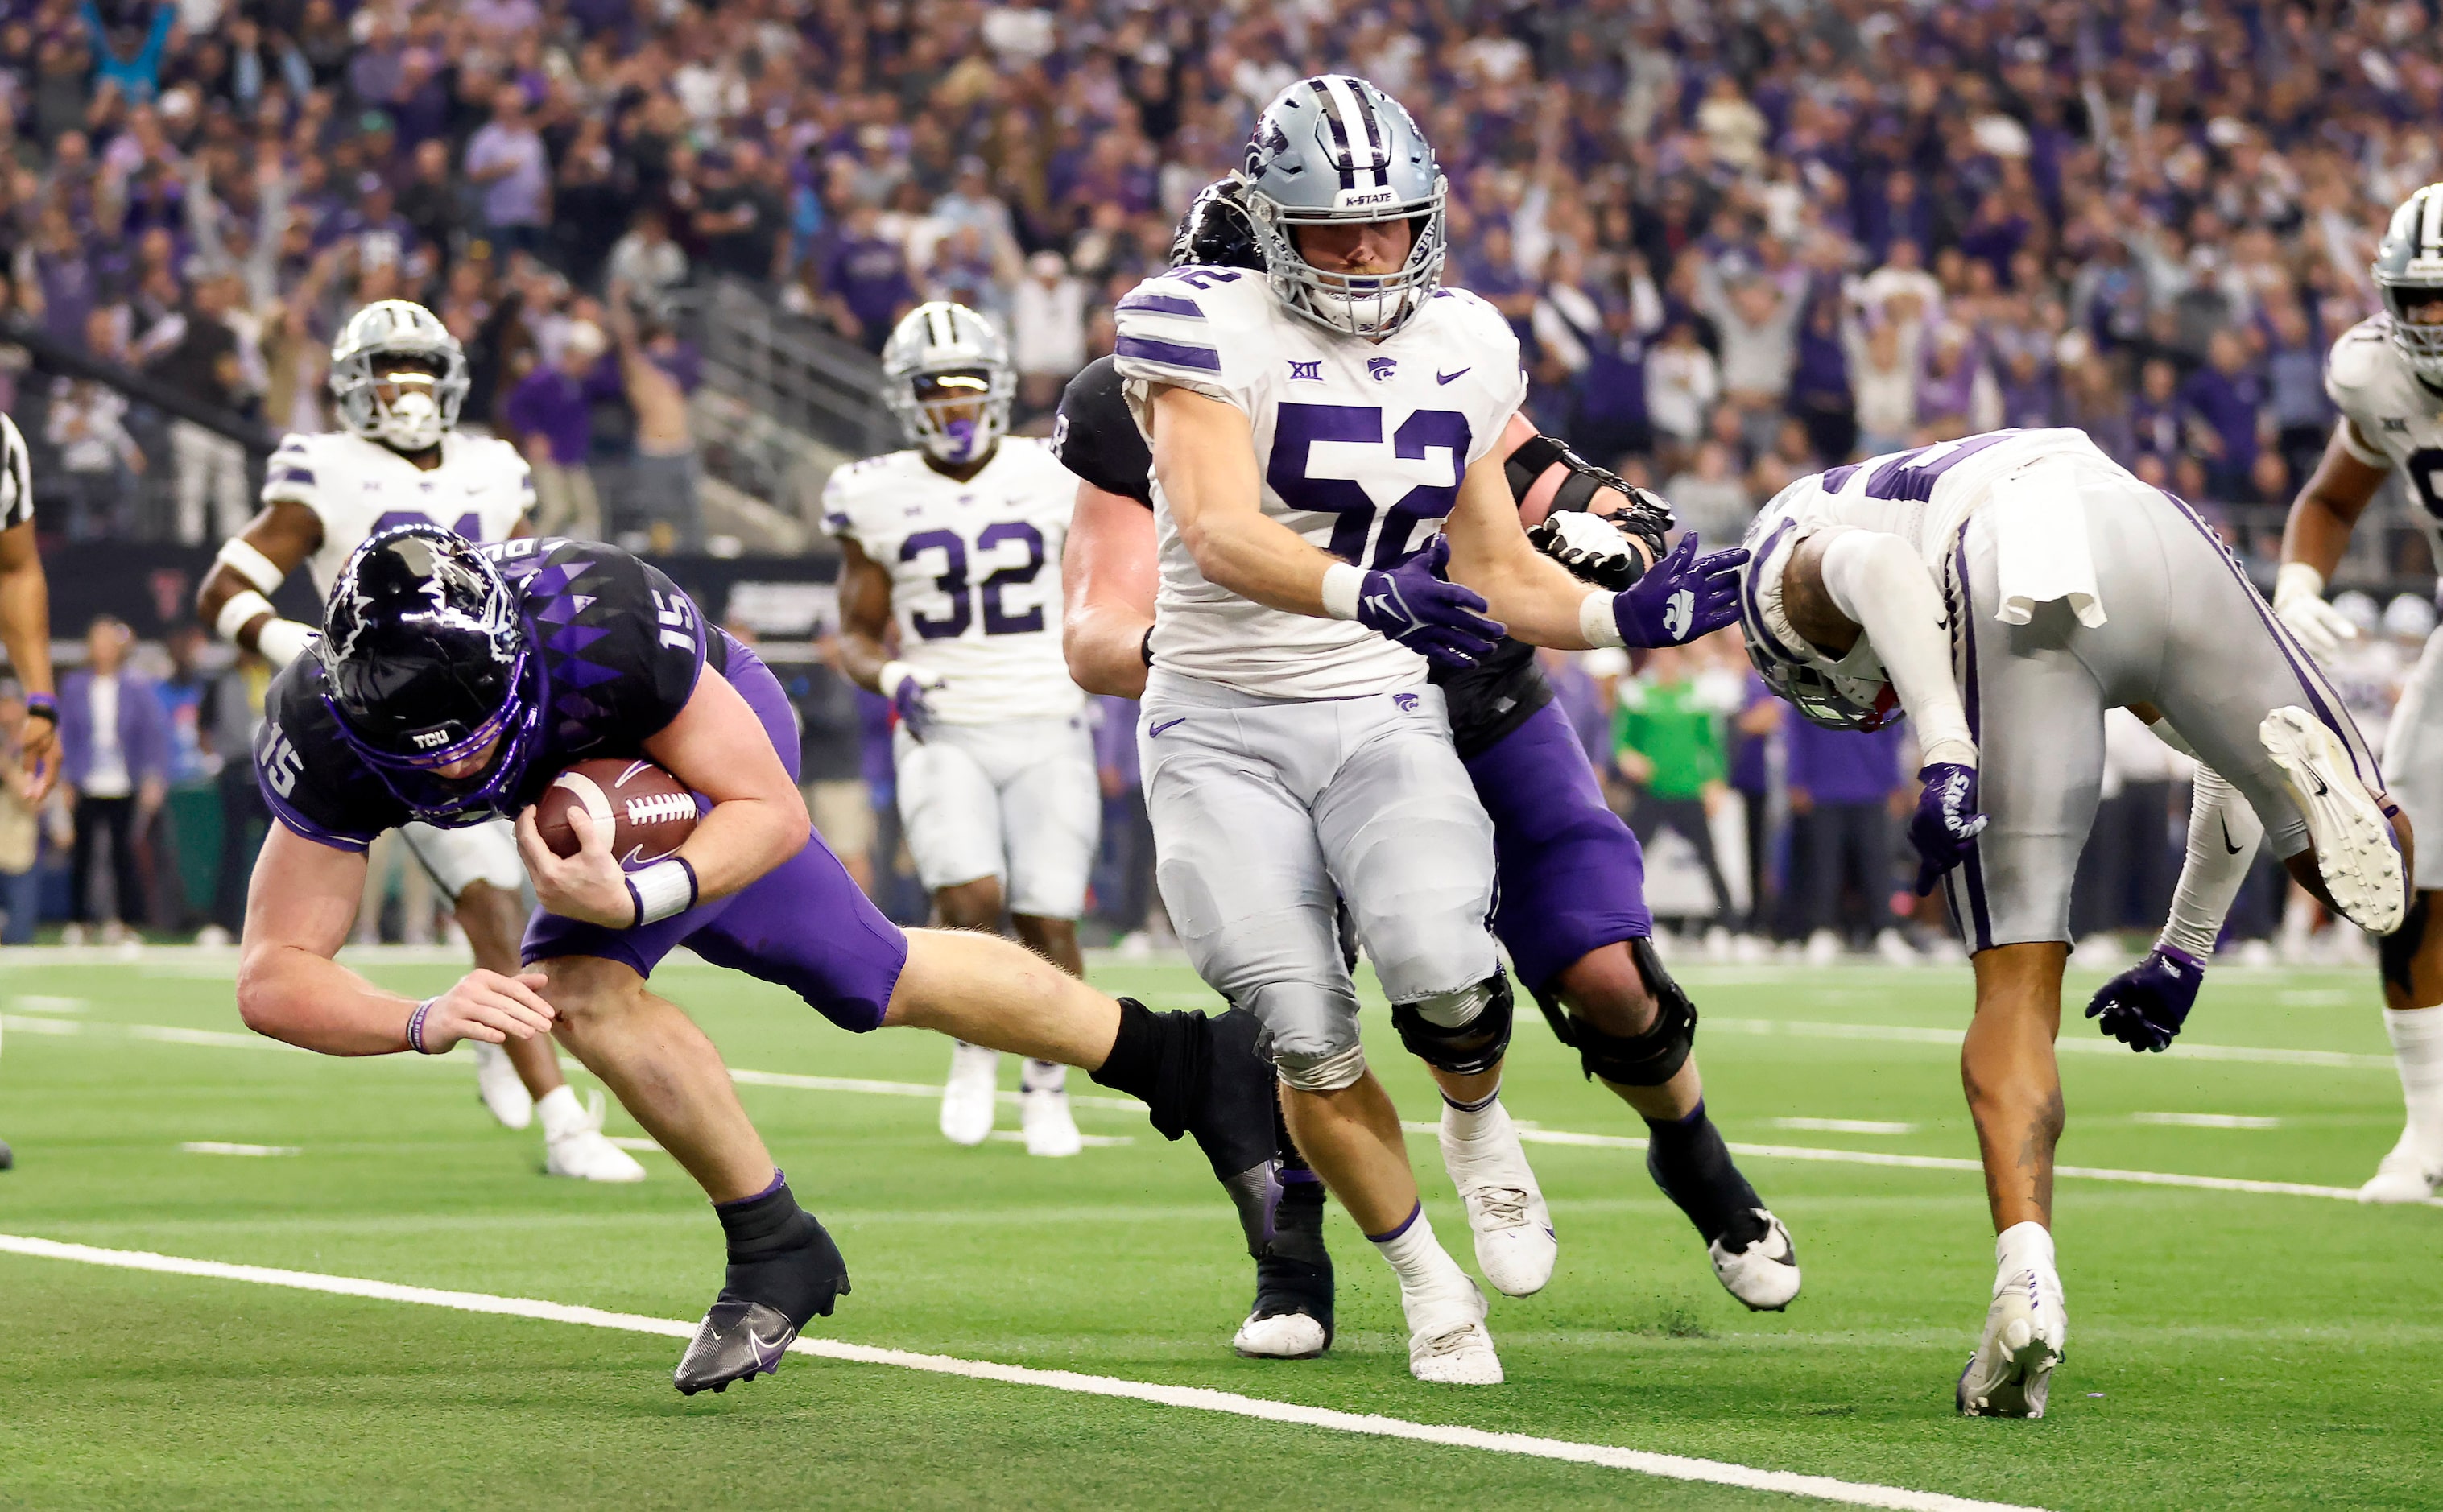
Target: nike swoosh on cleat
{"type": "Point", "coordinates": [1445, 377]}
{"type": "Point", "coordinates": [1165, 725]}
{"type": "Point", "coordinates": [2321, 789]}
{"type": "Point", "coordinates": [765, 1351]}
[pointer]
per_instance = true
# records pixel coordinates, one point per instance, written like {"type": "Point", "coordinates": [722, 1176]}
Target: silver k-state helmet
{"type": "Point", "coordinates": [388, 336]}
{"type": "Point", "coordinates": [2409, 270]}
{"type": "Point", "coordinates": [942, 360]}
{"type": "Point", "coordinates": [1336, 149]}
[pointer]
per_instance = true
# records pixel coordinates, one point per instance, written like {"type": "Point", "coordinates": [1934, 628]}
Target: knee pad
{"type": "Point", "coordinates": [2396, 953]}
{"type": "Point", "coordinates": [1648, 1059]}
{"type": "Point", "coordinates": [1479, 1038]}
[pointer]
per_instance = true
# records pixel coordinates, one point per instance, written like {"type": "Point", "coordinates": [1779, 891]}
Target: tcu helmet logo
{"type": "Point", "coordinates": [1381, 369]}
{"type": "Point", "coordinates": [1679, 614]}
{"type": "Point", "coordinates": [426, 740]}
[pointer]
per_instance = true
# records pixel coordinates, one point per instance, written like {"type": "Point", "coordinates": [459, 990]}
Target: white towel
{"type": "Point", "coordinates": [2040, 547]}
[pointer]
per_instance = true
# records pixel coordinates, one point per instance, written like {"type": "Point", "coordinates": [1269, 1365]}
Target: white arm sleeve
{"type": "Point", "coordinates": [2223, 836]}
{"type": "Point", "coordinates": [1877, 581]}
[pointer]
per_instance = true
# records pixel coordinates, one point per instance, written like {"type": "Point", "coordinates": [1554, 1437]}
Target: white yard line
{"type": "Point", "coordinates": [217, 1147]}
{"type": "Point", "coordinates": [1198, 1398]}
{"type": "Point", "coordinates": [2207, 1120]}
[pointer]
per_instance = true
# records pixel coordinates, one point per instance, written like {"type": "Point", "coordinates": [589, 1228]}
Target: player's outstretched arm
{"type": "Point", "coordinates": [234, 598]}
{"type": "Point", "coordinates": [25, 630]}
{"type": "Point", "coordinates": [299, 909]}
{"type": "Point", "coordinates": [1106, 585]}
{"type": "Point", "coordinates": [2316, 535]}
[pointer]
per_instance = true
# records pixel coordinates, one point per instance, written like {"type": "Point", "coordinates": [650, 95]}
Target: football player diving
{"type": "Point", "coordinates": [451, 685]}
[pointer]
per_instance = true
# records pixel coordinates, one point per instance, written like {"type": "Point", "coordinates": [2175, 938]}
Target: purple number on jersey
{"type": "Point", "coordinates": [1296, 429]}
{"type": "Point", "coordinates": [1913, 474]}
{"type": "Point", "coordinates": [997, 620]}
{"type": "Point", "coordinates": [469, 525]}
{"type": "Point", "coordinates": [951, 583]}
{"type": "Point", "coordinates": [2424, 470]}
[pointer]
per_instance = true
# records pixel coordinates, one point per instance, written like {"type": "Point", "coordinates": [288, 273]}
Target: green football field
{"type": "Point", "coordinates": [2242, 1345]}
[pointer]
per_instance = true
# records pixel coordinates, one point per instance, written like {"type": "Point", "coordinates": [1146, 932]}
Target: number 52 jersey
{"type": "Point", "coordinates": [1360, 447]}
{"type": "Point", "coordinates": [2390, 410]}
{"type": "Point", "coordinates": [975, 573]}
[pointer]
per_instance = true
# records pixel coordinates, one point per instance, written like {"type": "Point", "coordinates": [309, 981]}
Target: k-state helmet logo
{"type": "Point", "coordinates": [1679, 614]}
{"type": "Point", "coordinates": [1381, 369]}
{"type": "Point", "coordinates": [1308, 371]}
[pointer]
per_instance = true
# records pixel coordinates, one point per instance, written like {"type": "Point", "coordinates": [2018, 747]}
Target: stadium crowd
{"type": "Point", "coordinates": [1739, 243]}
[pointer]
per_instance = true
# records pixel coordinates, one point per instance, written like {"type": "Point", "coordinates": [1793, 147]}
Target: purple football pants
{"type": "Point", "coordinates": [1571, 876]}
{"type": "Point", "coordinates": [803, 925]}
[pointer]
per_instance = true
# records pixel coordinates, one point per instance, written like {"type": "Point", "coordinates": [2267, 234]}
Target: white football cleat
{"type": "Point", "coordinates": [582, 1152]}
{"type": "Point", "coordinates": [1448, 1343]}
{"type": "Point", "coordinates": [1765, 1274]}
{"type": "Point", "coordinates": [1516, 1246]}
{"type": "Point", "coordinates": [497, 1083]}
{"type": "Point", "coordinates": [2354, 844]}
{"type": "Point", "coordinates": [2407, 1175]}
{"type": "Point", "coordinates": [2026, 1334]}
{"type": "Point", "coordinates": [967, 1097]}
{"type": "Point", "coordinates": [1283, 1336]}
{"type": "Point", "coordinates": [1043, 1115]}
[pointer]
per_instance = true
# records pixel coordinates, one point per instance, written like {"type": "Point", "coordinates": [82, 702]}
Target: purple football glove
{"type": "Point", "coordinates": [2144, 1007]}
{"type": "Point", "coordinates": [908, 686]}
{"type": "Point", "coordinates": [1946, 824]}
{"type": "Point", "coordinates": [1413, 605]}
{"type": "Point", "coordinates": [1681, 597]}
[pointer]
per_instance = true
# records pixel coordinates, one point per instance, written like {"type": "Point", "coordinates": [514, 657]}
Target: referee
{"type": "Point", "coordinates": [25, 625]}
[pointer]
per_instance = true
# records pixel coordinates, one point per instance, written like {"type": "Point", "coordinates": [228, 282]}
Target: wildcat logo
{"type": "Point", "coordinates": [1307, 371]}
{"type": "Point", "coordinates": [1406, 702]}
{"type": "Point", "coordinates": [1679, 615]}
{"type": "Point", "coordinates": [1381, 369]}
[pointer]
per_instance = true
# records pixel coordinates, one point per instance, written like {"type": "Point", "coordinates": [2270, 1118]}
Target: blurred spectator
{"type": "Point", "coordinates": [19, 827]}
{"type": "Point", "coordinates": [98, 461]}
{"type": "Point", "coordinates": [647, 263]}
{"type": "Point", "coordinates": [194, 351]}
{"type": "Point", "coordinates": [1669, 748]}
{"type": "Point", "coordinates": [1124, 892]}
{"type": "Point", "coordinates": [1048, 335]}
{"type": "Point", "coordinates": [115, 763]}
{"type": "Point", "coordinates": [551, 415]}
{"type": "Point", "coordinates": [231, 715]}
{"type": "Point", "coordinates": [1681, 383]}
{"type": "Point", "coordinates": [863, 286]}
{"type": "Point", "coordinates": [832, 770]}
{"type": "Point", "coordinates": [506, 160]}
{"type": "Point", "coordinates": [2223, 398]}
{"type": "Point", "coordinates": [1842, 833]}
{"type": "Point", "coordinates": [1710, 498]}
{"type": "Point", "coordinates": [663, 512]}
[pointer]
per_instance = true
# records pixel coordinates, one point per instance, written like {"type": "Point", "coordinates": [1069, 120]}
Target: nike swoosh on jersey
{"type": "Point", "coordinates": [1441, 376]}
{"type": "Point", "coordinates": [1157, 729]}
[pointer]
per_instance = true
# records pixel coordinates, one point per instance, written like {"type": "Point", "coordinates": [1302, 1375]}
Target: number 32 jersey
{"type": "Point", "coordinates": [2390, 411]}
{"type": "Point", "coordinates": [1360, 446]}
{"type": "Point", "coordinates": [975, 573]}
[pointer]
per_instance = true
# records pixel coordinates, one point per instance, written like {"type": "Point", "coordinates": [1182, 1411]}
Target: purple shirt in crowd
{"type": "Point", "coordinates": [549, 401]}
{"type": "Point", "coordinates": [1843, 766]}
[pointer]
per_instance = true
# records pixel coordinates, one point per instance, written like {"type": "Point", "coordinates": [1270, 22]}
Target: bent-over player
{"type": "Point", "coordinates": [2003, 591]}
{"type": "Point", "coordinates": [398, 379]}
{"type": "Point", "coordinates": [453, 683]}
{"type": "Point", "coordinates": [956, 544]}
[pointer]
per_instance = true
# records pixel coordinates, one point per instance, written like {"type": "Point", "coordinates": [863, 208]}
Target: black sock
{"type": "Point", "coordinates": [1156, 1059]}
{"type": "Point", "coordinates": [779, 1255]}
{"type": "Point", "coordinates": [1294, 1275]}
{"type": "Point", "coordinates": [1690, 1163]}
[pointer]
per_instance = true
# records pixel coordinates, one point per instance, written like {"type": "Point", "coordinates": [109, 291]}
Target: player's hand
{"type": "Point", "coordinates": [1946, 824]}
{"type": "Point", "coordinates": [908, 686]}
{"type": "Point", "coordinates": [2144, 1007]}
{"type": "Point", "coordinates": [1414, 605]}
{"type": "Point", "coordinates": [1591, 547]}
{"type": "Point", "coordinates": [1682, 598]}
{"type": "Point", "coordinates": [38, 752]}
{"type": "Point", "coordinates": [589, 886]}
{"type": "Point", "coordinates": [489, 1006]}
{"type": "Point", "coordinates": [2299, 599]}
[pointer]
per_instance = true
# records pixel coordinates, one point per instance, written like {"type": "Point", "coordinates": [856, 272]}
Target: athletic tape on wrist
{"type": "Point", "coordinates": [241, 607]}
{"type": "Point", "coordinates": [1597, 621]}
{"type": "Point", "coordinates": [283, 640]}
{"type": "Point", "coordinates": [1342, 587]}
{"type": "Point", "coordinates": [662, 890]}
{"type": "Point", "coordinates": [240, 558]}
{"type": "Point", "coordinates": [415, 1027]}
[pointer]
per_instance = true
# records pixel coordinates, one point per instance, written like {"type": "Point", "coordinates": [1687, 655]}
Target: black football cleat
{"type": "Point", "coordinates": [737, 1342]}
{"type": "Point", "coordinates": [8, 1157]}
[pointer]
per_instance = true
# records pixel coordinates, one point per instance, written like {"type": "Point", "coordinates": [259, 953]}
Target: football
{"type": "Point", "coordinates": [652, 813]}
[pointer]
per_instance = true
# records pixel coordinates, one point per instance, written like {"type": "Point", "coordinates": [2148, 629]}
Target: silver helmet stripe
{"type": "Point", "coordinates": [2430, 233]}
{"type": "Point", "coordinates": [1363, 156]}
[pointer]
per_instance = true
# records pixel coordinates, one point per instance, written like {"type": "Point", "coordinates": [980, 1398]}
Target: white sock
{"type": "Point", "coordinates": [560, 1111]}
{"type": "Point", "coordinates": [1416, 1256]}
{"type": "Point", "coordinates": [2023, 1246]}
{"type": "Point", "coordinates": [1474, 1121]}
{"type": "Point", "coordinates": [2417, 1051]}
{"type": "Point", "coordinates": [1042, 1076]}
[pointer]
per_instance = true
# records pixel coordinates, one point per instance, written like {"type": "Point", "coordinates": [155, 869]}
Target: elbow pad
{"type": "Point", "coordinates": [1646, 517]}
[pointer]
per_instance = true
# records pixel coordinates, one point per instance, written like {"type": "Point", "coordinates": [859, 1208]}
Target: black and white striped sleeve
{"type": "Point", "coordinates": [16, 477]}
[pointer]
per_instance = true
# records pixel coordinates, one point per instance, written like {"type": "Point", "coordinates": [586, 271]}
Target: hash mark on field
{"type": "Point", "coordinates": [218, 1147]}
{"type": "Point", "coordinates": [2207, 1121]}
{"type": "Point", "coordinates": [36, 1003]}
{"type": "Point", "coordinates": [1845, 1126]}
{"type": "Point", "coordinates": [1089, 1140]}
{"type": "Point", "coordinates": [1199, 1399]}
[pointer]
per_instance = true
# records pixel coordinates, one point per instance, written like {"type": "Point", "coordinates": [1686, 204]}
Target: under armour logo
{"type": "Point", "coordinates": [1306, 372]}
{"type": "Point", "coordinates": [1381, 369]}
{"type": "Point", "coordinates": [1406, 702]}
{"type": "Point", "coordinates": [1679, 614]}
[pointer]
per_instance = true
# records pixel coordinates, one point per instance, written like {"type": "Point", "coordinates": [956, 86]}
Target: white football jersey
{"type": "Point", "coordinates": [359, 488]}
{"type": "Point", "coordinates": [1361, 445]}
{"type": "Point", "coordinates": [975, 573]}
{"type": "Point", "coordinates": [2390, 411]}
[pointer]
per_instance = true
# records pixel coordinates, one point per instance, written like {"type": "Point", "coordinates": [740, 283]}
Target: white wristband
{"type": "Point", "coordinates": [240, 557]}
{"type": "Point", "coordinates": [1342, 587]}
{"type": "Point", "coordinates": [662, 890]}
{"type": "Point", "coordinates": [241, 607]}
{"type": "Point", "coordinates": [283, 640]}
{"type": "Point", "coordinates": [1597, 624]}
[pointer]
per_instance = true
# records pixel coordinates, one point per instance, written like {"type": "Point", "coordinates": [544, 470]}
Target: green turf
{"type": "Point", "coordinates": [2227, 1350]}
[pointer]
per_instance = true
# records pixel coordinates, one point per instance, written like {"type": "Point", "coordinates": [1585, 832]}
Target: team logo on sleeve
{"type": "Point", "coordinates": [1381, 369]}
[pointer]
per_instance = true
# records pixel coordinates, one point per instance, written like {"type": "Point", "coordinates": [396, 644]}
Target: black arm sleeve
{"type": "Point", "coordinates": [1098, 439]}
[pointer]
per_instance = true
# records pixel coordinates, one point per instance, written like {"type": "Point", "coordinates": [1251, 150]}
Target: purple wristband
{"type": "Point", "coordinates": [42, 705]}
{"type": "Point", "coordinates": [415, 1026]}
